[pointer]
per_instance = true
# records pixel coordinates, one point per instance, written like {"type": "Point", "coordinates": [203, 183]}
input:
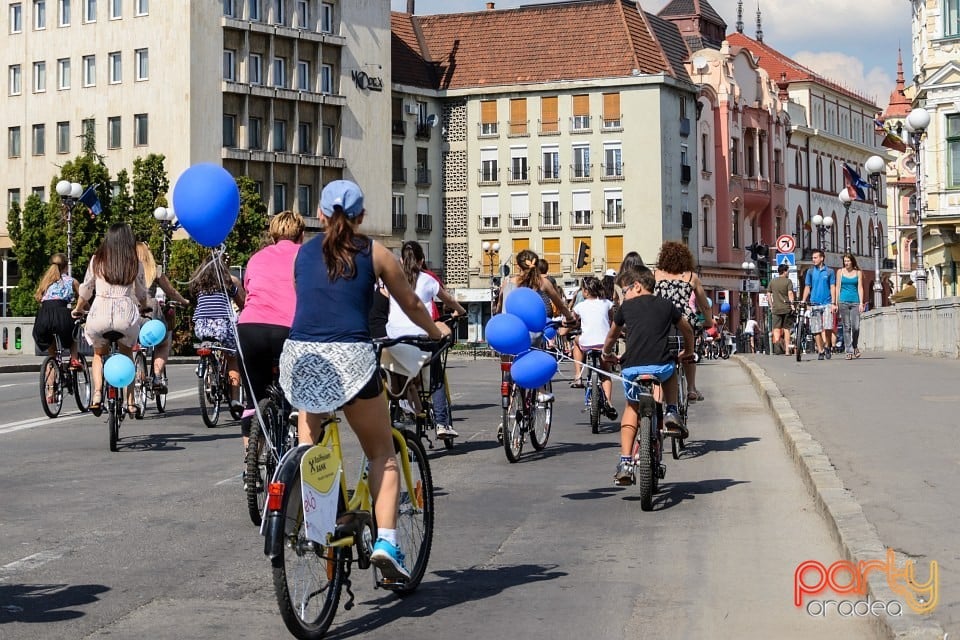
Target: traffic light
{"type": "Point", "coordinates": [583, 254]}
{"type": "Point", "coordinates": [763, 263]}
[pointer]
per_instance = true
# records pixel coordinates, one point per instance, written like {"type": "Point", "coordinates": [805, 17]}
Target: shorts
{"type": "Point", "coordinates": [782, 320]}
{"type": "Point", "coordinates": [822, 318]}
{"type": "Point", "coordinates": [662, 372]}
{"type": "Point", "coordinates": [219, 329]}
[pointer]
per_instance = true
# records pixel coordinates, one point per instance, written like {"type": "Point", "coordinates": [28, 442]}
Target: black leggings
{"type": "Point", "coordinates": [261, 345]}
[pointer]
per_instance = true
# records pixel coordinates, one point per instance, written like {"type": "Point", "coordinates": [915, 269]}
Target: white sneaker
{"type": "Point", "coordinates": [544, 397]}
{"type": "Point", "coordinates": [446, 432]}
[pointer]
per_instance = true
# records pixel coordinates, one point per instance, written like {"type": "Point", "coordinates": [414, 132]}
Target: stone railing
{"type": "Point", "coordinates": [16, 337]}
{"type": "Point", "coordinates": [931, 328]}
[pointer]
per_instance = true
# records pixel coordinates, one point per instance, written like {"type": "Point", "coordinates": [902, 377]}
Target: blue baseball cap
{"type": "Point", "coordinates": [344, 194]}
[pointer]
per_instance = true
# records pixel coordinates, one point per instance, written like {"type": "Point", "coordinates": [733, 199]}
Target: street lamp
{"type": "Point", "coordinates": [822, 223]}
{"type": "Point", "coordinates": [491, 249]}
{"type": "Point", "coordinates": [875, 166]}
{"type": "Point", "coordinates": [69, 193]}
{"type": "Point", "coordinates": [846, 200]}
{"type": "Point", "coordinates": [917, 123]}
{"type": "Point", "coordinates": [168, 224]}
{"type": "Point", "coordinates": [748, 270]}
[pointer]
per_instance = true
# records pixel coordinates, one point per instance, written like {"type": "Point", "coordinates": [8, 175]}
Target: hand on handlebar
{"type": "Point", "coordinates": [686, 355]}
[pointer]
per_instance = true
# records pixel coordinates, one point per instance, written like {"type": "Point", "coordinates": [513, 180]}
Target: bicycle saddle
{"type": "Point", "coordinates": [112, 336]}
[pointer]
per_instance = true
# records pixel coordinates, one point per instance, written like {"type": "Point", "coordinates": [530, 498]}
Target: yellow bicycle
{"type": "Point", "coordinates": [310, 568]}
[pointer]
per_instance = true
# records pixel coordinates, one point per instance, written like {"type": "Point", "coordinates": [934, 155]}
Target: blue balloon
{"type": "Point", "coordinates": [207, 202]}
{"type": "Point", "coordinates": [119, 370]}
{"type": "Point", "coordinates": [533, 369]}
{"type": "Point", "coordinates": [528, 306]}
{"type": "Point", "coordinates": [550, 333]}
{"type": "Point", "coordinates": [725, 307]}
{"type": "Point", "coordinates": [508, 334]}
{"type": "Point", "coordinates": [152, 333]}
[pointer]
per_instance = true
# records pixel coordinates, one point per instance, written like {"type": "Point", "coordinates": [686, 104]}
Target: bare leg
{"type": "Point", "coordinates": [96, 370]}
{"type": "Point", "coordinates": [690, 370]}
{"type": "Point", "coordinates": [233, 372]}
{"type": "Point", "coordinates": [671, 389]}
{"type": "Point", "coordinates": [628, 429]}
{"type": "Point", "coordinates": [578, 359]}
{"type": "Point", "coordinates": [370, 420]}
{"type": "Point", "coordinates": [161, 353]}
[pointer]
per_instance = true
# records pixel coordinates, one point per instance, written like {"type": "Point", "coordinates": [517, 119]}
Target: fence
{"type": "Point", "coordinates": [930, 327]}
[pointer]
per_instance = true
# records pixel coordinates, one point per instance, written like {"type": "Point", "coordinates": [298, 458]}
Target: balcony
{"type": "Point", "coordinates": [581, 219]}
{"type": "Point", "coordinates": [520, 222]}
{"type": "Point", "coordinates": [488, 130]}
{"type": "Point", "coordinates": [488, 177]}
{"type": "Point", "coordinates": [550, 221]}
{"type": "Point", "coordinates": [550, 173]}
{"type": "Point", "coordinates": [611, 172]}
{"type": "Point", "coordinates": [518, 176]}
{"type": "Point", "coordinates": [580, 124]}
{"type": "Point", "coordinates": [399, 221]}
{"type": "Point", "coordinates": [423, 131]}
{"type": "Point", "coordinates": [489, 223]}
{"type": "Point", "coordinates": [685, 173]}
{"type": "Point", "coordinates": [423, 177]}
{"type": "Point", "coordinates": [581, 173]}
{"type": "Point", "coordinates": [613, 220]}
{"type": "Point", "coordinates": [756, 193]}
{"type": "Point", "coordinates": [424, 222]}
{"type": "Point", "coordinates": [399, 128]}
{"type": "Point", "coordinates": [518, 129]}
{"type": "Point", "coordinates": [756, 184]}
{"type": "Point", "coordinates": [610, 125]}
{"type": "Point", "coordinates": [549, 127]}
{"type": "Point", "coordinates": [399, 175]}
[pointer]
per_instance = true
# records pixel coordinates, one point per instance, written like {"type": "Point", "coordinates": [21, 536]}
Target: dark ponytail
{"type": "Point", "coordinates": [411, 257]}
{"type": "Point", "coordinates": [340, 246]}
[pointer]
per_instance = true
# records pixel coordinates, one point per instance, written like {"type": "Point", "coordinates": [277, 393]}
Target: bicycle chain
{"type": "Point", "coordinates": [347, 584]}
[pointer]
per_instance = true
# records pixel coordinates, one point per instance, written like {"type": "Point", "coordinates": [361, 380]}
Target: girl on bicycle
{"type": "Point", "coordinates": [158, 282]}
{"type": "Point", "coordinates": [55, 292]}
{"type": "Point", "coordinates": [213, 319]}
{"type": "Point", "coordinates": [596, 313]}
{"type": "Point", "coordinates": [529, 276]}
{"type": "Point", "coordinates": [328, 361]}
{"type": "Point", "coordinates": [116, 277]}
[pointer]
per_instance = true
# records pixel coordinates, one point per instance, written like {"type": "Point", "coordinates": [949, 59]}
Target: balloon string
{"type": "Point", "coordinates": [609, 374]}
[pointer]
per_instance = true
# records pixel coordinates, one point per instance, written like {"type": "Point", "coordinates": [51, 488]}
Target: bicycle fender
{"type": "Point", "coordinates": [272, 527]}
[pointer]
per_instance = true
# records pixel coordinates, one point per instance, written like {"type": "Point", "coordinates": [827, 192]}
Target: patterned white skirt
{"type": "Point", "coordinates": [323, 376]}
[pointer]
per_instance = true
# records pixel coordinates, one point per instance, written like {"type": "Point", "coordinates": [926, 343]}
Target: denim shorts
{"type": "Point", "coordinates": [662, 372]}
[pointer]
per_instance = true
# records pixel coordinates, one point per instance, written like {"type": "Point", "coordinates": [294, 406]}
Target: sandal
{"type": "Point", "coordinates": [849, 356]}
{"type": "Point", "coordinates": [96, 408]}
{"type": "Point", "coordinates": [695, 395]}
{"type": "Point", "coordinates": [577, 384]}
{"type": "Point", "coordinates": [856, 353]}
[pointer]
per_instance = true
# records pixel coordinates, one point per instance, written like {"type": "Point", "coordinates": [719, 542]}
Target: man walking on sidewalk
{"type": "Point", "coordinates": [821, 291]}
{"type": "Point", "coordinates": [781, 297]}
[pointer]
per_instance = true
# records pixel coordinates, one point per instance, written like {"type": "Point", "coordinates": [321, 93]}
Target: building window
{"type": "Point", "coordinates": [582, 214]}
{"type": "Point", "coordinates": [140, 130]}
{"type": "Point", "coordinates": [63, 73]}
{"type": "Point", "coordinates": [489, 171]}
{"type": "Point", "coordinates": [398, 219]}
{"type": "Point", "coordinates": [953, 151]}
{"type": "Point", "coordinates": [255, 69]}
{"type": "Point", "coordinates": [549, 120]}
{"type": "Point", "coordinates": [304, 199]}
{"type": "Point", "coordinates": [229, 131]}
{"type": "Point", "coordinates": [90, 11]}
{"type": "Point", "coordinates": [115, 65]}
{"type": "Point", "coordinates": [704, 153]}
{"type": "Point", "coordinates": [64, 13]}
{"type": "Point", "coordinates": [88, 128]}
{"type": "Point", "coordinates": [89, 71]}
{"type": "Point", "coordinates": [39, 139]}
{"type": "Point", "coordinates": [303, 15]}
{"type": "Point", "coordinates": [255, 133]}
{"type": "Point", "coordinates": [489, 212]}
{"type": "Point", "coordinates": [303, 75]}
{"type": "Point", "coordinates": [612, 161]}
{"type": "Point", "coordinates": [304, 138]}
{"type": "Point", "coordinates": [705, 229]}
{"type": "Point", "coordinates": [326, 17]}
{"type": "Point", "coordinates": [551, 210]}
{"type": "Point", "coordinates": [519, 211]}
{"type": "Point", "coordinates": [951, 18]}
{"type": "Point", "coordinates": [581, 114]}
{"type": "Point", "coordinates": [613, 207]}
{"type": "Point", "coordinates": [488, 118]}
{"type": "Point", "coordinates": [329, 141]}
{"type": "Point", "coordinates": [37, 191]}
{"type": "Point", "coordinates": [256, 11]}
{"type": "Point", "coordinates": [141, 60]}
{"type": "Point", "coordinates": [518, 117]}
{"type": "Point", "coordinates": [13, 197]}
{"type": "Point", "coordinates": [777, 166]}
{"type": "Point", "coordinates": [611, 111]}
{"type": "Point", "coordinates": [424, 220]}
{"type": "Point", "coordinates": [13, 142]}
{"type": "Point", "coordinates": [113, 132]}
{"type": "Point", "coordinates": [326, 79]}
{"type": "Point", "coordinates": [141, 7]}
{"type": "Point", "coordinates": [550, 170]}
{"type": "Point", "coordinates": [279, 73]}
{"type": "Point", "coordinates": [230, 8]}
{"type": "Point", "coordinates": [16, 83]}
{"type": "Point", "coordinates": [735, 228]}
{"type": "Point", "coordinates": [279, 16]}
{"type": "Point", "coordinates": [16, 18]}
{"type": "Point", "coordinates": [39, 14]}
{"type": "Point", "coordinates": [116, 9]}
{"type": "Point", "coordinates": [63, 137]}
{"type": "Point", "coordinates": [39, 77]}
{"type": "Point", "coordinates": [581, 161]}
{"type": "Point", "coordinates": [735, 156]}
{"type": "Point", "coordinates": [279, 197]}
{"type": "Point", "coordinates": [279, 135]}
{"type": "Point", "coordinates": [819, 172]}
{"type": "Point", "coordinates": [229, 65]}
{"type": "Point", "coordinates": [519, 171]}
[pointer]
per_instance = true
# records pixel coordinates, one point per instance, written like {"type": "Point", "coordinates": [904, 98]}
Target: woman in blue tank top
{"type": "Point", "coordinates": [850, 302]}
{"type": "Point", "coordinates": [328, 360]}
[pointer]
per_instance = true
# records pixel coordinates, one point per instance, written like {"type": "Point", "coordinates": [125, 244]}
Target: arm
{"type": "Point", "coordinates": [388, 269]}
{"type": "Point", "coordinates": [140, 286]}
{"type": "Point", "coordinates": [688, 339]}
{"type": "Point", "coordinates": [863, 298]}
{"type": "Point", "coordinates": [239, 294]}
{"type": "Point", "coordinates": [86, 290]}
{"type": "Point", "coordinates": [834, 290]}
{"type": "Point", "coordinates": [451, 302]}
{"type": "Point", "coordinates": [170, 290]}
{"type": "Point", "coordinates": [701, 295]}
{"type": "Point", "coordinates": [557, 299]}
{"type": "Point", "coordinates": [806, 288]}
{"type": "Point", "coordinates": [612, 336]}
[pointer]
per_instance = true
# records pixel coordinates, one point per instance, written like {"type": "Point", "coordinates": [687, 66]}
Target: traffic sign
{"type": "Point", "coordinates": [786, 244]}
{"type": "Point", "coordinates": [786, 258]}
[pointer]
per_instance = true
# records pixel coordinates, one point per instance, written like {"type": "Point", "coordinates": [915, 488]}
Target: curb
{"type": "Point", "coordinates": [858, 539]}
{"type": "Point", "coordinates": [35, 367]}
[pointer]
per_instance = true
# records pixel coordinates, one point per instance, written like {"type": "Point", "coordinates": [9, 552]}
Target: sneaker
{"type": "Point", "coordinates": [406, 406]}
{"type": "Point", "coordinates": [446, 432]}
{"type": "Point", "coordinates": [671, 419]}
{"type": "Point", "coordinates": [159, 384]}
{"type": "Point", "coordinates": [389, 559]}
{"type": "Point", "coordinates": [820, 356]}
{"type": "Point", "coordinates": [829, 353]}
{"type": "Point", "coordinates": [294, 418]}
{"type": "Point", "coordinates": [611, 412]}
{"type": "Point", "coordinates": [624, 475]}
{"type": "Point", "coordinates": [544, 398]}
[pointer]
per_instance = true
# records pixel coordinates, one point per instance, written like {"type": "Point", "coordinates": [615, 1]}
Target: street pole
{"type": "Point", "coordinates": [69, 193]}
{"type": "Point", "coordinates": [875, 166]}
{"type": "Point", "coordinates": [822, 223]}
{"type": "Point", "coordinates": [917, 122]}
{"type": "Point", "coordinates": [846, 200]}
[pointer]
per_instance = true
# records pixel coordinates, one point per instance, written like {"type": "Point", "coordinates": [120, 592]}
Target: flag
{"type": "Point", "coordinates": [90, 199]}
{"type": "Point", "coordinates": [893, 141]}
{"type": "Point", "coordinates": [854, 183]}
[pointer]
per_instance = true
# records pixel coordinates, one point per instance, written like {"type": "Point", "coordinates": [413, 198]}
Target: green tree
{"type": "Point", "coordinates": [150, 186]}
{"type": "Point", "coordinates": [87, 229]}
{"type": "Point", "coordinates": [33, 253]}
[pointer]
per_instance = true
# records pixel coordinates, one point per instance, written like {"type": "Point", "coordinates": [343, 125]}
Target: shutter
{"type": "Point", "coordinates": [551, 253]}
{"type": "Point", "coordinates": [488, 112]}
{"type": "Point", "coordinates": [611, 106]}
{"type": "Point", "coordinates": [549, 120]}
{"type": "Point", "coordinates": [518, 116]}
{"type": "Point", "coordinates": [581, 105]}
{"type": "Point", "coordinates": [614, 252]}
{"type": "Point", "coordinates": [520, 244]}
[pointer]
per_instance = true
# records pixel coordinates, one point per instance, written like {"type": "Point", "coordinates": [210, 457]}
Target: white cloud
{"type": "Point", "coordinates": [849, 72]}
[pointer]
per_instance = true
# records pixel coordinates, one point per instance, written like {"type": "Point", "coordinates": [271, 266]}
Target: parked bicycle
{"type": "Point", "coordinates": [58, 376]}
{"type": "Point", "coordinates": [801, 329]}
{"type": "Point", "coordinates": [310, 568]}
{"type": "Point", "coordinates": [213, 384]}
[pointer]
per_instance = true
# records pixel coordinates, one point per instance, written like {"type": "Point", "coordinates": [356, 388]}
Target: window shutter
{"type": "Point", "coordinates": [488, 112]}
{"type": "Point", "coordinates": [614, 251]}
{"type": "Point", "coordinates": [551, 253]}
{"type": "Point", "coordinates": [549, 121]}
{"type": "Point", "coordinates": [581, 105]}
{"type": "Point", "coordinates": [611, 106]}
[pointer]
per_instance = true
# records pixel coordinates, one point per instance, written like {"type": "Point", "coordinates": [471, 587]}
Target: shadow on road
{"type": "Point", "coordinates": [453, 588]}
{"type": "Point", "coordinates": [697, 448]}
{"type": "Point", "coordinates": [593, 494]}
{"type": "Point", "coordinates": [673, 493]}
{"type": "Point", "coordinates": [169, 441]}
{"type": "Point", "coordinates": [33, 603]}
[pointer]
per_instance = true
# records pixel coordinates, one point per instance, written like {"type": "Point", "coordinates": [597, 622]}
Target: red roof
{"type": "Point", "coordinates": [899, 105]}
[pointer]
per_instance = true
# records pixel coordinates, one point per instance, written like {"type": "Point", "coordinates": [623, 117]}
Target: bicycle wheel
{"type": "Point", "coordinates": [209, 391]}
{"type": "Point", "coordinates": [140, 382]}
{"type": "Point", "coordinates": [307, 577]}
{"type": "Point", "coordinates": [259, 459]}
{"type": "Point", "coordinates": [513, 417]}
{"type": "Point", "coordinates": [644, 462]}
{"type": "Point", "coordinates": [415, 515]}
{"type": "Point", "coordinates": [51, 387]}
{"type": "Point", "coordinates": [161, 398]}
{"type": "Point", "coordinates": [542, 419]}
{"type": "Point", "coordinates": [114, 407]}
{"type": "Point", "coordinates": [81, 385]}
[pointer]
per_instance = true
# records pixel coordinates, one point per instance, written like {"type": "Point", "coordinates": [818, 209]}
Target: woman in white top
{"type": "Point", "coordinates": [427, 287]}
{"type": "Point", "coordinates": [595, 313]}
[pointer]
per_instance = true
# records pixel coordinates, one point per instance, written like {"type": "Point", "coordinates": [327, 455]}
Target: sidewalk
{"type": "Point", "coordinates": [886, 425]}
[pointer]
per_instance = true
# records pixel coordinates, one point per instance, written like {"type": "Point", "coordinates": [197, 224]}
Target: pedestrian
{"type": "Point", "coordinates": [850, 300]}
{"type": "Point", "coordinates": [781, 300]}
{"type": "Point", "coordinates": [329, 362]}
{"type": "Point", "coordinates": [821, 290]}
{"type": "Point", "coordinates": [56, 290]}
{"type": "Point", "coordinates": [750, 330]}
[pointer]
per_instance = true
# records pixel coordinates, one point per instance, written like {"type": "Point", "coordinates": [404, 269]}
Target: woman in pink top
{"type": "Point", "coordinates": [267, 314]}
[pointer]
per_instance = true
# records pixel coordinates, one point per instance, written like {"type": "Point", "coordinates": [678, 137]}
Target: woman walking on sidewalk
{"type": "Point", "coordinates": [850, 299]}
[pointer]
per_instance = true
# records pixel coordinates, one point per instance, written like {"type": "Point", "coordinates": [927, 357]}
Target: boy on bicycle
{"type": "Point", "coordinates": [649, 322]}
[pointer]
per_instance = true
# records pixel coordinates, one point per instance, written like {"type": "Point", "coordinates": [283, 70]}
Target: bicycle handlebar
{"type": "Point", "coordinates": [421, 342]}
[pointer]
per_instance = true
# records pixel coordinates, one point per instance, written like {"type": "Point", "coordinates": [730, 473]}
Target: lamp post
{"type": "Point", "coordinates": [917, 122]}
{"type": "Point", "coordinates": [875, 166]}
{"type": "Point", "coordinates": [69, 193]}
{"type": "Point", "coordinates": [822, 223]}
{"type": "Point", "coordinates": [748, 270]}
{"type": "Point", "coordinates": [846, 200]}
{"type": "Point", "coordinates": [168, 224]}
{"type": "Point", "coordinates": [491, 249]}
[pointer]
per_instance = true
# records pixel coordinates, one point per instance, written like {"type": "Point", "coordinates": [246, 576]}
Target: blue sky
{"type": "Point", "coordinates": [853, 42]}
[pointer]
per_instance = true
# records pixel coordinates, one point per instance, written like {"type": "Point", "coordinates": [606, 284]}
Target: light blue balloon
{"type": "Point", "coordinates": [528, 306]}
{"type": "Point", "coordinates": [152, 333]}
{"type": "Point", "coordinates": [207, 202]}
{"type": "Point", "coordinates": [533, 369]}
{"type": "Point", "coordinates": [119, 370]}
{"type": "Point", "coordinates": [506, 333]}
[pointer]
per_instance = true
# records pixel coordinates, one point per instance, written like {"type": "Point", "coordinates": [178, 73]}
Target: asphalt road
{"type": "Point", "coordinates": [154, 540]}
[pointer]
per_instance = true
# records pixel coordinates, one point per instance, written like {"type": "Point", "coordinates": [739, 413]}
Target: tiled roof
{"type": "Point", "coordinates": [672, 44]}
{"type": "Point", "coordinates": [776, 64]}
{"type": "Point", "coordinates": [540, 43]}
{"type": "Point", "coordinates": [409, 67]}
{"type": "Point", "coordinates": [691, 8]}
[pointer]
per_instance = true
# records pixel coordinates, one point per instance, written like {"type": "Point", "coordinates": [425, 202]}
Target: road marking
{"type": "Point", "coordinates": [230, 479]}
{"type": "Point", "coordinates": [30, 562]}
{"type": "Point", "coordinates": [31, 423]}
{"type": "Point", "coordinates": [15, 384]}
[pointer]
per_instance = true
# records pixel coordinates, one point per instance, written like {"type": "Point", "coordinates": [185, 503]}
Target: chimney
{"type": "Point", "coordinates": [410, 6]}
{"type": "Point", "coordinates": [490, 6]}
